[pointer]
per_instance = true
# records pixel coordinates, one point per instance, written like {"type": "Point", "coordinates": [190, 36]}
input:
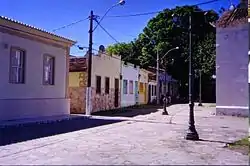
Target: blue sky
{"type": "Point", "coordinates": [52, 14]}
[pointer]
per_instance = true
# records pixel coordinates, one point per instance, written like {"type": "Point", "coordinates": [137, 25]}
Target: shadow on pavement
{"type": "Point", "coordinates": [129, 112]}
{"type": "Point", "coordinates": [223, 142]}
{"type": "Point", "coordinates": [26, 131]}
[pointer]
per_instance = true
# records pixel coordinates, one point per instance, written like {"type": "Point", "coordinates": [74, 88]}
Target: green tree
{"type": "Point", "coordinates": [165, 31]}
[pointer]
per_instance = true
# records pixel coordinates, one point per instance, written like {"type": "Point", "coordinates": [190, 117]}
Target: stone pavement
{"type": "Point", "coordinates": [151, 139]}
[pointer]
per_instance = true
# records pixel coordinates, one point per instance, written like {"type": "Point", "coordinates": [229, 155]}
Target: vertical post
{"type": "Point", "coordinates": [89, 91]}
{"type": "Point", "coordinates": [157, 79]}
{"type": "Point", "coordinates": [165, 112]}
{"type": "Point", "coordinates": [200, 103]}
{"type": "Point", "coordinates": [191, 133]}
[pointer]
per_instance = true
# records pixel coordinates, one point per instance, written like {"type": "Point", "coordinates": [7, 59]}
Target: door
{"type": "Point", "coordinates": [136, 92]}
{"type": "Point", "coordinates": [149, 93]}
{"type": "Point", "coordinates": [145, 93]}
{"type": "Point", "coordinates": [116, 92]}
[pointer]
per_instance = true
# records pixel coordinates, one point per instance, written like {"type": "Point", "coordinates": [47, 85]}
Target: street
{"type": "Point", "coordinates": [150, 139]}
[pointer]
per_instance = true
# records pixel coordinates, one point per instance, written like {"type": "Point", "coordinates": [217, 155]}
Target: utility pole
{"type": "Point", "coordinates": [89, 90]}
{"type": "Point", "coordinates": [157, 78]}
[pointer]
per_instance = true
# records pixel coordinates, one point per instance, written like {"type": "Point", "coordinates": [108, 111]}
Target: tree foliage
{"type": "Point", "coordinates": [170, 29]}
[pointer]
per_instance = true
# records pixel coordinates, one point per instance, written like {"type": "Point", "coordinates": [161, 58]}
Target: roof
{"type": "Point", "coordinates": [233, 18]}
{"type": "Point", "coordinates": [35, 28]}
{"type": "Point", "coordinates": [77, 64]}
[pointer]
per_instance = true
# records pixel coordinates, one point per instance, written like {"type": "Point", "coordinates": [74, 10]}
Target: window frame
{"type": "Point", "coordinates": [131, 89]}
{"type": "Point", "coordinates": [98, 89]}
{"type": "Point", "coordinates": [107, 88]}
{"type": "Point", "coordinates": [125, 81]}
{"type": "Point", "coordinates": [52, 76]}
{"type": "Point", "coordinates": [20, 80]}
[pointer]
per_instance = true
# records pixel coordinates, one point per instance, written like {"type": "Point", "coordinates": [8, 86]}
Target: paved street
{"type": "Point", "coordinates": [143, 139]}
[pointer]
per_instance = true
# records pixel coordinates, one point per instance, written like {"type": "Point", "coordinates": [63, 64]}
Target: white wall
{"type": "Point", "coordinates": [232, 94]}
{"type": "Point", "coordinates": [129, 73]}
{"type": "Point", "coordinates": [32, 99]}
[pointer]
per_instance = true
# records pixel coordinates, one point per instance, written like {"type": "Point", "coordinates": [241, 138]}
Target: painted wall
{"type": "Point", "coordinates": [32, 99]}
{"type": "Point", "coordinates": [105, 66]}
{"type": "Point", "coordinates": [129, 73]}
{"type": "Point", "coordinates": [77, 91]}
{"type": "Point", "coordinates": [143, 86]}
{"type": "Point", "coordinates": [232, 96]}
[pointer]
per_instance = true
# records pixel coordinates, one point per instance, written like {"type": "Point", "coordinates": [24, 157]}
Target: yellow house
{"type": "Point", "coordinates": [143, 86]}
{"type": "Point", "coordinates": [77, 84]}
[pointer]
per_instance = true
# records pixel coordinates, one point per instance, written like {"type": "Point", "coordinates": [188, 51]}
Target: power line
{"type": "Point", "coordinates": [68, 25]}
{"type": "Point", "coordinates": [156, 12]}
{"type": "Point", "coordinates": [106, 31]}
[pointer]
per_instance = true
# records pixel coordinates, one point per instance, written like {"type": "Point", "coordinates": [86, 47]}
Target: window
{"type": "Point", "coordinates": [17, 66]}
{"type": "Point", "coordinates": [141, 88]}
{"type": "Point", "coordinates": [48, 70]}
{"type": "Point", "coordinates": [131, 87]}
{"type": "Point", "coordinates": [125, 87]}
{"type": "Point", "coordinates": [107, 85]}
{"type": "Point", "coordinates": [98, 84]}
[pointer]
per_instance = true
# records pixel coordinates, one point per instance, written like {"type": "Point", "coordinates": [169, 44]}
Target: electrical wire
{"type": "Point", "coordinates": [156, 12]}
{"type": "Point", "coordinates": [106, 32]}
{"type": "Point", "coordinates": [68, 25]}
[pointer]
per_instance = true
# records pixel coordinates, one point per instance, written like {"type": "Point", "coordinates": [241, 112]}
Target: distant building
{"type": "Point", "coordinates": [129, 84]}
{"type": "Point", "coordinates": [232, 38]}
{"type": "Point", "coordinates": [33, 71]}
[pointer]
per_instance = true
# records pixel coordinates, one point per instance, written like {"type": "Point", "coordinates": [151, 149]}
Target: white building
{"type": "Point", "coordinates": [129, 84]}
{"type": "Point", "coordinates": [33, 70]}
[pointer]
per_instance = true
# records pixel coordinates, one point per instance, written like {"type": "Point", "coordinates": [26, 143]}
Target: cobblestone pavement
{"type": "Point", "coordinates": [151, 139]}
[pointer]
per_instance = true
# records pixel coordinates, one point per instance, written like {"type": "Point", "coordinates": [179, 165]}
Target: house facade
{"type": "Point", "coordinates": [77, 84]}
{"type": "Point", "coordinates": [143, 86]}
{"type": "Point", "coordinates": [232, 38]}
{"type": "Point", "coordinates": [152, 84]}
{"type": "Point", "coordinates": [105, 82]}
{"type": "Point", "coordinates": [129, 84]}
{"type": "Point", "coordinates": [33, 70]}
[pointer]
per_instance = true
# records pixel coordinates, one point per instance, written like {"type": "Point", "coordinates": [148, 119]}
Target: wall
{"type": "Point", "coordinates": [77, 91]}
{"type": "Point", "coordinates": [232, 96]}
{"type": "Point", "coordinates": [105, 66]}
{"type": "Point", "coordinates": [32, 99]}
{"type": "Point", "coordinates": [129, 73]}
{"type": "Point", "coordinates": [143, 95]}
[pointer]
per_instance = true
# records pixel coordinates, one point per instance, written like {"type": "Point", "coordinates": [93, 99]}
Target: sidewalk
{"type": "Point", "coordinates": [151, 139]}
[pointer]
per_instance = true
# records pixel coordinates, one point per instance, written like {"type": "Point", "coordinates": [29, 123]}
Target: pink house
{"type": "Point", "coordinates": [33, 70]}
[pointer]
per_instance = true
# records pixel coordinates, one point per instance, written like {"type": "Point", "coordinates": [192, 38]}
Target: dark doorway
{"type": "Point", "coordinates": [116, 92]}
{"type": "Point", "coordinates": [149, 93]}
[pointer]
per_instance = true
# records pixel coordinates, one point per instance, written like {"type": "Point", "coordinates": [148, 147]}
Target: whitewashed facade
{"type": "Point", "coordinates": [129, 84]}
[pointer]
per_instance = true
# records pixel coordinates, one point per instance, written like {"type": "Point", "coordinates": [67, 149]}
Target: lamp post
{"type": "Point", "coordinates": [91, 30]}
{"type": "Point", "coordinates": [165, 112]}
{"type": "Point", "coordinates": [200, 103]}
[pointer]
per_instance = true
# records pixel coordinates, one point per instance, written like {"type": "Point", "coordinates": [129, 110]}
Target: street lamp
{"type": "Point", "coordinates": [200, 103]}
{"type": "Point", "coordinates": [191, 133]}
{"type": "Point", "coordinates": [165, 112]}
{"type": "Point", "coordinates": [91, 30]}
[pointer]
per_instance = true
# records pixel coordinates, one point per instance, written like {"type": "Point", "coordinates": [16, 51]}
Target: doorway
{"type": "Point", "coordinates": [116, 92]}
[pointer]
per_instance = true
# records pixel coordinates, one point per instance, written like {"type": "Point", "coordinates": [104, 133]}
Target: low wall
{"type": "Point", "coordinates": [33, 108]}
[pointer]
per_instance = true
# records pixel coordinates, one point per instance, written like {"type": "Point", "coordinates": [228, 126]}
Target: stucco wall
{"type": "Point", "coordinates": [129, 73]}
{"type": "Point", "coordinates": [105, 66]}
{"type": "Point", "coordinates": [232, 96]}
{"type": "Point", "coordinates": [32, 99]}
{"type": "Point", "coordinates": [143, 96]}
{"type": "Point", "coordinates": [77, 91]}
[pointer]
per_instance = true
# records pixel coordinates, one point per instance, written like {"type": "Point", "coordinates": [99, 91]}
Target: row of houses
{"type": "Point", "coordinates": [36, 82]}
{"type": "Point", "coordinates": [115, 83]}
